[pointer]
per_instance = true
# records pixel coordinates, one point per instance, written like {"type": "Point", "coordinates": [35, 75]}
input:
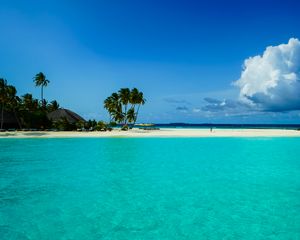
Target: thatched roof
{"type": "Point", "coordinates": [65, 113]}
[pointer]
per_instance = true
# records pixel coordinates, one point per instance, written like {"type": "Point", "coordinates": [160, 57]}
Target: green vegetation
{"type": "Point", "coordinates": [64, 125]}
{"type": "Point", "coordinates": [8, 100]}
{"type": "Point", "coordinates": [53, 106]}
{"type": "Point", "coordinates": [118, 107]}
{"type": "Point", "coordinates": [27, 112]}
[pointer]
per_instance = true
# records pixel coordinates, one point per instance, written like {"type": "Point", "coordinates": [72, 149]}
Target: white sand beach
{"type": "Point", "coordinates": [164, 132]}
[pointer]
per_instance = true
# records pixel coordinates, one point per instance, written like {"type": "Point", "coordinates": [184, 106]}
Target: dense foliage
{"type": "Point", "coordinates": [27, 111]}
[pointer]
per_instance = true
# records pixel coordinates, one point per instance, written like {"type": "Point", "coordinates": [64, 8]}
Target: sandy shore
{"type": "Point", "coordinates": [159, 133]}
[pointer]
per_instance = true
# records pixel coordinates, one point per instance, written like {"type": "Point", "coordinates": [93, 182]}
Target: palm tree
{"type": "Point", "coordinates": [134, 94]}
{"type": "Point", "coordinates": [124, 95]}
{"type": "Point", "coordinates": [53, 106]}
{"type": "Point", "coordinates": [8, 100]}
{"type": "Point", "coordinates": [118, 115]}
{"type": "Point", "coordinates": [29, 103]}
{"type": "Point", "coordinates": [13, 101]}
{"type": "Point", "coordinates": [112, 105]}
{"type": "Point", "coordinates": [130, 115]}
{"type": "Point", "coordinates": [40, 80]}
{"type": "Point", "coordinates": [117, 105]}
{"type": "Point", "coordinates": [140, 101]}
{"type": "Point", "coordinates": [3, 97]}
{"type": "Point", "coordinates": [108, 105]}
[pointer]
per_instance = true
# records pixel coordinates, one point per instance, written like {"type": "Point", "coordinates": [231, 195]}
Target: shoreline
{"type": "Point", "coordinates": [163, 132]}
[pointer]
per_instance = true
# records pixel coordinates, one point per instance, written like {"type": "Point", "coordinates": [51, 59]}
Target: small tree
{"type": "Point", "coordinates": [52, 106]}
{"type": "Point", "coordinates": [101, 126]}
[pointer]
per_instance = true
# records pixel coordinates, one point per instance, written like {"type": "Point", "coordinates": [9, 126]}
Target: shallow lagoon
{"type": "Point", "coordinates": [150, 188]}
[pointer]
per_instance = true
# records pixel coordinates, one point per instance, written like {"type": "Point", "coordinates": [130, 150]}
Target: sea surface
{"type": "Point", "coordinates": [150, 188]}
{"type": "Point", "coordinates": [228, 126]}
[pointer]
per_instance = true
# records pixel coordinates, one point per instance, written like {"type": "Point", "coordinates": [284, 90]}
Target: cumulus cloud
{"type": "Point", "coordinates": [271, 82]}
{"type": "Point", "coordinates": [225, 105]}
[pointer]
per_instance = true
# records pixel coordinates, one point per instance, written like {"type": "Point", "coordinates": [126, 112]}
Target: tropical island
{"type": "Point", "coordinates": [28, 113]}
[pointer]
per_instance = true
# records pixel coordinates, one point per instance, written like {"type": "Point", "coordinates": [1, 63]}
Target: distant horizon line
{"type": "Point", "coordinates": [226, 124]}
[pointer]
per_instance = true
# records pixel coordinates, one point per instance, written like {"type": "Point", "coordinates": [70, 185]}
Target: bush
{"type": "Point", "coordinates": [125, 128]}
{"type": "Point", "coordinates": [101, 126]}
{"type": "Point", "coordinates": [64, 125]}
{"type": "Point", "coordinates": [112, 124]}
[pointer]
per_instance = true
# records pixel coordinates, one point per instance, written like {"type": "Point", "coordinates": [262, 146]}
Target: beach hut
{"type": "Point", "coordinates": [67, 114]}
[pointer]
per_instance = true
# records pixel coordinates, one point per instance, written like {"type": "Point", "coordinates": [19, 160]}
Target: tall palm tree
{"type": "Point", "coordinates": [134, 97]}
{"type": "Point", "coordinates": [112, 105]}
{"type": "Point", "coordinates": [40, 80]}
{"type": "Point", "coordinates": [130, 115]}
{"type": "Point", "coordinates": [3, 98]}
{"type": "Point", "coordinates": [118, 115]}
{"type": "Point", "coordinates": [124, 94]}
{"type": "Point", "coordinates": [140, 101]}
{"type": "Point", "coordinates": [108, 105]}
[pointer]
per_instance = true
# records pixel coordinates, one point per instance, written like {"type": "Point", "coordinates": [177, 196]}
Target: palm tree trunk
{"type": "Point", "coordinates": [125, 114]}
{"type": "Point", "coordinates": [42, 96]}
{"type": "Point", "coordinates": [137, 112]}
{"type": "Point", "coordinates": [133, 106]}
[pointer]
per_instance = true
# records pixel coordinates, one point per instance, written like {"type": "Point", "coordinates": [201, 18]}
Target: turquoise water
{"type": "Point", "coordinates": [150, 188]}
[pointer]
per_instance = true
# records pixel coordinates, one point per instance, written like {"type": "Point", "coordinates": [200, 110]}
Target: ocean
{"type": "Point", "coordinates": [228, 126]}
{"type": "Point", "coordinates": [150, 188]}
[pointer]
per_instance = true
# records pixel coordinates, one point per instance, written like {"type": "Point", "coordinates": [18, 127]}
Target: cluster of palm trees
{"type": "Point", "coordinates": [28, 111]}
{"type": "Point", "coordinates": [123, 106]}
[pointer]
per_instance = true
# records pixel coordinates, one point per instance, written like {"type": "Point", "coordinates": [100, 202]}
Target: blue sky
{"type": "Point", "coordinates": [186, 56]}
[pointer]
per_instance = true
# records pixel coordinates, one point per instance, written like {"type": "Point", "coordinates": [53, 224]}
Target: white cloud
{"type": "Point", "coordinates": [271, 82]}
